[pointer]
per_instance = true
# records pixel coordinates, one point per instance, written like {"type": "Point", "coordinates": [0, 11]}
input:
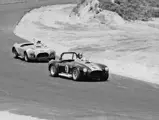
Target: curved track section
{"type": "Point", "coordinates": [27, 88]}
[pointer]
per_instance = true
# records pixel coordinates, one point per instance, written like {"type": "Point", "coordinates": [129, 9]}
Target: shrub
{"type": "Point", "coordinates": [132, 9]}
{"type": "Point", "coordinates": [155, 12]}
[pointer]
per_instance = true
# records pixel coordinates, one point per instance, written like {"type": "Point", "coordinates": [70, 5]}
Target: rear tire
{"type": "Point", "coordinates": [76, 75]}
{"type": "Point", "coordinates": [53, 69]}
{"type": "Point", "coordinates": [26, 58]}
{"type": "Point", "coordinates": [15, 53]}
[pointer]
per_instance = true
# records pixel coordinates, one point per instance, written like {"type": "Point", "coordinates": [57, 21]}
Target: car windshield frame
{"type": "Point", "coordinates": [71, 58]}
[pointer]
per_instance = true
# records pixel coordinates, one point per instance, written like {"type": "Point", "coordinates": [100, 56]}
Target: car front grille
{"type": "Point", "coordinates": [43, 55]}
{"type": "Point", "coordinates": [95, 74]}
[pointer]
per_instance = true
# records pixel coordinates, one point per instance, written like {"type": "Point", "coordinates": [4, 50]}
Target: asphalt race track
{"type": "Point", "coordinates": [27, 88]}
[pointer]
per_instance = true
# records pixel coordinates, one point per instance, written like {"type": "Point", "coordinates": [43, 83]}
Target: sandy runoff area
{"type": "Point", "coordinates": [129, 49]}
{"type": "Point", "coordinates": [5, 115]}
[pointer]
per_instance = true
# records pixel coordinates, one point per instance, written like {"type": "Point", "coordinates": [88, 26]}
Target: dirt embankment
{"type": "Point", "coordinates": [89, 11]}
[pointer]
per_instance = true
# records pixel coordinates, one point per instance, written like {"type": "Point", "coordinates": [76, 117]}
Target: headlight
{"type": "Point", "coordinates": [32, 54]}
{"type": "Point", "coordinates": [106, 69]}
{"type": "Point", "coordinates": [84, 69]}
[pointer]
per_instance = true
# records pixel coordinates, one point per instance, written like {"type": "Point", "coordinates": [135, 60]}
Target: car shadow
{"type": "Point", "coordinates": [35, 61]}
{"type": "Point", "coordinates": [91, 80]}
{"type": "Point", "coordinates": [82, 80]}
{"type": "Point", "coordinates": [32, 61]}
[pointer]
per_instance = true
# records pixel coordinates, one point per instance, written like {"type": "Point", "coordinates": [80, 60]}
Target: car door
{"type": "Point", "coordinates": [64, 66]}
{"type": "Point", "coordinates": [66, 62]}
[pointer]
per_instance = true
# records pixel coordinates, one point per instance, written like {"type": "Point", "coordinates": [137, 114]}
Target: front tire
{"type": "Point", "coordinates": [15, 53]}
{"type": "Point", "coordinates": [53, 70]}
{"type": "Point", "coordinates": [76, 75]}
{"type": "Point", "coordinates": [26, 58]}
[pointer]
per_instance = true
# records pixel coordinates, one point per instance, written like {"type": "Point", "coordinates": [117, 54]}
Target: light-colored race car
{"type": "Point", "coordinates": [33, 52]}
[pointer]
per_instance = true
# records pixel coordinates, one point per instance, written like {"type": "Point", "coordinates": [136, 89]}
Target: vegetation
{"type": "Point", "coordinates": [132, 9]}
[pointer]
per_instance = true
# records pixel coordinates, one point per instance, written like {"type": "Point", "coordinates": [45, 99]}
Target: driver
{"type": "Point", "coordinates": [80, 56]}
{"type": "Point", "coordinates": [38, 43]}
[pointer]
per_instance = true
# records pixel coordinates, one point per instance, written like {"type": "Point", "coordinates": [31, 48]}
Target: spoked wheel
{"type": "Point", "coordinates": [15, 53]}
{"type": "Point", "coordinates": [26, 57]}
{"type": "Point", "coordinates": [76, 74]}
{"type": "Point", "coordinates": [53, 71]}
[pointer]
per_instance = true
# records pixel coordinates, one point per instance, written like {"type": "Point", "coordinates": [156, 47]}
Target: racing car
{"type": "Point", "coordinates": [29, 51]}
{"type": "Point", "coordinates": [70, 63]}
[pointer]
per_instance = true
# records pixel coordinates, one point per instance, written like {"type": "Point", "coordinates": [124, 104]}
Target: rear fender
{"type": "Point", "coordinates": [52, 62]}
{"type": "Point", "coordinates": [15, 46]}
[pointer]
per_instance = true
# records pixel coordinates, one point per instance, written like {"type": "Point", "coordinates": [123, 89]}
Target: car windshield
{"type": "Point", "coordinates": [83, 58]}
{"type": "Point", "coordinates": [38, 46]}
{"type": "Point", "coordinates": [67, 56]}
{"type": "Point", "coordinates": [72, 56]}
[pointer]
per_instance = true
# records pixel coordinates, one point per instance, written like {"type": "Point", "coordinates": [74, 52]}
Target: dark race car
{"type": "Point", "coordinates": [70, 63]}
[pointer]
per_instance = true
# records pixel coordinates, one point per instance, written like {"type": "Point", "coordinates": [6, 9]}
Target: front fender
{"type": "Point", "coordinates": [101, 65]}
{"type": "Point", "coordinates": [80, 68]}
{"type": "Point", "coordinates": [30, 51]}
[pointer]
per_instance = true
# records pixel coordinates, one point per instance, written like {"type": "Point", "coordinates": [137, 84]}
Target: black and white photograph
{"type": "Point", "coordinates": [79, 59]}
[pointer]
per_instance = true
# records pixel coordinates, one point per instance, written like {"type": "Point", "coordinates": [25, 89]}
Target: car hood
{"type": "Point", "coordinates": [89, 65]}
{"type": "Point", "coordinates": [39, 50]}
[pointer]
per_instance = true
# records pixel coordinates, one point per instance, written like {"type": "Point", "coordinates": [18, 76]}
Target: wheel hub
{"type": "Point", "coordinates": [52, 70]}
{"type": "Point", "coordinates": [75, 74]}
{"type": "Point", "coordinates": [25, 57]}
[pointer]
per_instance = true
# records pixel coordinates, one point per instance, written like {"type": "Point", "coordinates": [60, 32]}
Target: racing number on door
{"type": "Point", "coordinates": [66, 68]}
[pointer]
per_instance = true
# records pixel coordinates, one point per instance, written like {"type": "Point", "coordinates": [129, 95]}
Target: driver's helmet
{"type": "Point", "coordinates": [38, 42]}
{"type": "Point", "coordinates": [80, 55]}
